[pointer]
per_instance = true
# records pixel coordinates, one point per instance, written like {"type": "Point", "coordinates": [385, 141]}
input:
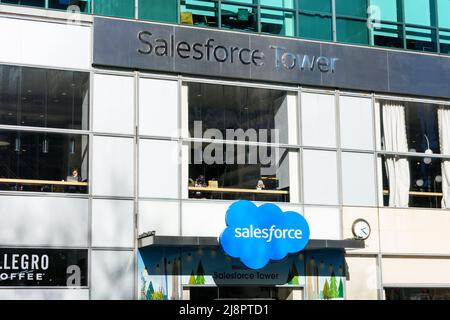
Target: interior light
{"type": "Point", "coordinates": [45, 145]}
{"type": "Point", "coordinates": [17, 144]}
{"type": "Point", "coordinates": [419, 182]}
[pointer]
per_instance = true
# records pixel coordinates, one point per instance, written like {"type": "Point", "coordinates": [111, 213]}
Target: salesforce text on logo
{"type": "Point", "coordinates": [257, 235]}
{"type": "Point", "coordinates": [268, 233]}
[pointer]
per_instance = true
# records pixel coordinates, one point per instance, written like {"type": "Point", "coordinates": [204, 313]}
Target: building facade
{"type": "Point", "coordinates": [125, 139]}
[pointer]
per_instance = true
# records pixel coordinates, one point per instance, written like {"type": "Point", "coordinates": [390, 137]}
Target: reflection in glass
{"type": "Point", "coordinates": [199, 12]}
{"type": "Point", "coordinates": [44, 98]}
{"type": "Point", "coordinates": [261, 113]}
{"type": "Point", "coordinates": [115, 8]}
{"type": "Point", "coordinates": [315, 6]}
{"type": "Point", "coordinates": [421, 39]}
{"type": "Point", "coordinates": [389, 35]}
{"type": "Point", "coordinates": [83, 5]}
{"type": "Point", "coordinates": [352, 31]}
{"type": "Point", "coordinates": [278, 22]}
{"type": "Point", "coordinates": [420, 12]}
{"type": "Point", "coordinates": [286, 4]}
{"type": "Point", "coordinates": [239, 17]}
{"type": "Point", "coordinates": [389, 10]}
{"type": "Point", "coordinates": [425, 182]}
{"type": "Point", "coordinates": [353, 8]}
{"type": "Point", "coordinates": [315, 26]}
{"type": "Point", "coordinates": [36, 156]}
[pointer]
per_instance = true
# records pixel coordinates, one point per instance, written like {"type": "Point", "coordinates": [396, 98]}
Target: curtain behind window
{"type": "Point", "coordinates": [444, 138]}
{"type": "Point", "coordinates": [395, 140]}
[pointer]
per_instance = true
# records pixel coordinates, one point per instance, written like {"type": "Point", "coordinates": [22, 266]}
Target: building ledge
{"type": "Point", "coordinates": [178, 241]}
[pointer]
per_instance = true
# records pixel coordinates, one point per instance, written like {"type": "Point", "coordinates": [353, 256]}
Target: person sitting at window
{"type": "Point", "coordinates": [74, 177]}
{"type": "Point", "coordinates": [201, 183]}
{"type": "Point", "coordinates": [260, 185]}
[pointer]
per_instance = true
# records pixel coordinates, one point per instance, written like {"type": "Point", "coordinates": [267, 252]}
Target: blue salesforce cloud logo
{"type": "Point", "coordinates": [257, 235]}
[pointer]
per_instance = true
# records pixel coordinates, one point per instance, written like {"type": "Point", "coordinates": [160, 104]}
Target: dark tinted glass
{"type": "Point", "coordinates": [44, 98]}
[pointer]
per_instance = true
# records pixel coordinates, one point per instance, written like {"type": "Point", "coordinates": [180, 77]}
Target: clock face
{"type": "Point", "coordinates": [361, 229]}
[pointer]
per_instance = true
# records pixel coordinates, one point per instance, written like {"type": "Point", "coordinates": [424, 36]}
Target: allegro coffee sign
{"type": "Point", "coordinates": [43, 267]}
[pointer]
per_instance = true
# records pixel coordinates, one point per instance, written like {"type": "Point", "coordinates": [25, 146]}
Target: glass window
{"type": "Point", "coordinates": [444, 39]}
{"type": "Point", "coordinates": [316, 5]}
{"type": "Point", "coordinates": [30, 3]}
{"type": "Point", "coordinates": [286, 4]}
{"type": "Point", "coordinates": [421, 39]}
{"type": "Point", "coordinates": [358, 179]}
{"type": "Point", "coordinates": [388, 35]}
{"type": "Point", "coordinates": [229, 172]}
{"type": "Point", "coordinates": [84, 5]}
{"type": "Point", "coordinates": [199, 12]}
{"type": "Point", "coordinates": [356, 123]}
{"type": "Point", "coordinates": [420, 12]}
{"type": "Point", "coordinates": [316, 26]}
{"type": "Point", "coordinates": [278, 22]}
{"type": "Point", "coordinates": [388, 10]}
{"type": "Point", "coordinates": [237, 113]}
{"type": "Point", "coordinates": [43, 162]}
{"type": "Point", "coordinates": [353, 8]}
{"type": "Point", "coordinates": [44, 98]}
{"type": "Point", "coordinates": [444, 13]}
{"type": "Point", "coordinates": [114, 8]}
{"type": "Point", "coordinates": [352, 31]}
{"type": "Point", "coordinates": [318, 120]}
{"type": "Point", "coordinates": [158, 10]}
{"type": "Point", "coordinates": [320, 177]}
{"type": "Point", "coordinates": [239, 17]}
{"type": "Point", "coordinates": [425, 189]}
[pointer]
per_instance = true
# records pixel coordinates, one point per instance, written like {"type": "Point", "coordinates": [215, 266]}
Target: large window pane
{"type": "Point", "coordinates": [315, 26]}
{"type": "Point", "coordinates": [238, 113]}
{"type": "Point", "coordinates": [219, 171]}
{"type": "Point", "coordinates": [44, 98]}
{"type": "Point", "coordinates": [316, 5]}
{"type": "Point", "coordinates": [444, 13]}
{"type": "Point", "coordinates": [287, 4]}
{"type": "Point", "coordinates": [354, 8]}
{"type": "Point", "coordinates": [421, 39]}
{"type": "Point", "coordinates": [356, 123]}
{"type": "Point", "coordinates": [28, 158]}
{"type": "Point", "coordinates": [420, 12]}
{"type": "Point", "coordinates": [199, 12]}
{"type": "Point", "coordinates": [278, 22]}
{"type": "Point", "coordinates": [352, 31]}
{"type": "Point", "coordinates": [158, 10]}
{"type": "Point", "coordinates": [388, 35]}
{"type": "Point", "coordinates": [114, 8]}
{"type": "Point", "coordinates": [389, 10]}
{"type": "Point", "coordinates": [358, 179]}
{"type": "Point", "coordinates": [425, 182]}
{"type": "Point", "coordinates": [318, 120]}
{"type": "Point", "coordinates": [320, 184]}
{"type": "Point", "coordinates": [422, 130]}
{"type": "Point", "coordinates": [239, 17]}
